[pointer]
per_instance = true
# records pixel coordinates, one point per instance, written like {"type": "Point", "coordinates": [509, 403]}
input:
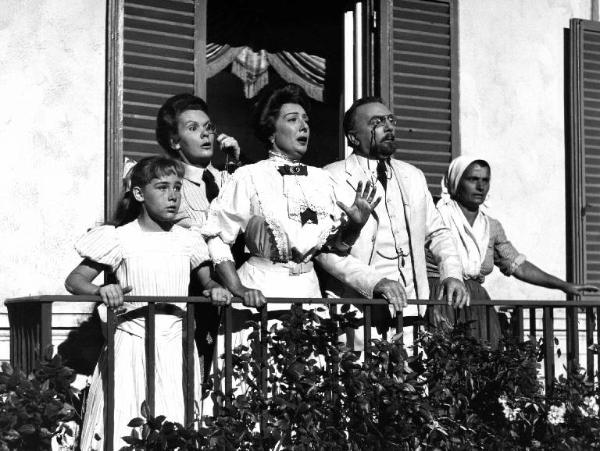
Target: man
{"type": "Point", "coordinates": [389, 256]}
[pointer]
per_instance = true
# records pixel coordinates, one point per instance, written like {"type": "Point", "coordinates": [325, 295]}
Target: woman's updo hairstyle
{"type": "Point", "coordinates": [266, 111]}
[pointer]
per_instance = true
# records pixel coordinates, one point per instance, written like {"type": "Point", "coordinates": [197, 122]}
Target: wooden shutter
{"type": "Point", "coordinates": [158, 62]}
{"type": "Point", "coordinates": [584, 153]}
{"type": "Point", "coordinates": [583, 169]}
{"type": "Point", "coordinates": [418, 79]}
{"type": "Point", "coordinates": [156, 49]}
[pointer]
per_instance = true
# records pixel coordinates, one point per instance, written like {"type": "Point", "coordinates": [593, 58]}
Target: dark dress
{"type": "Point", "coordinates": [484, 321]}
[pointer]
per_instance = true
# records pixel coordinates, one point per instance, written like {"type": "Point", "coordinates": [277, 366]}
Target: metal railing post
{"type": "Point", "coordinates": [548, 348]}
{"type": "Point", "coordinates": [150, 356]}
{"type": "Point", "coordinates": [188, 363]}
{"type": "Point", "coordinates": [109, 387]}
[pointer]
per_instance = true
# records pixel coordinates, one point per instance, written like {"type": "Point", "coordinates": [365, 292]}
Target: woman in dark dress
{"type": "Point", "coordinates": [481, 244]}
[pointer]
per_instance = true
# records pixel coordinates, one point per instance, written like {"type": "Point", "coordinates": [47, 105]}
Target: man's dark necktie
{"type": "Point", "coordinates": [382, 174]}
{"type": "Point", "coordinates": [212, 189]}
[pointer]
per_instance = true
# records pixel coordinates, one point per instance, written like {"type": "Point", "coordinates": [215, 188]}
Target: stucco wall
{"type": "Point", "coordinates": [512, 114]}
{"type": "Point", "coordinates": [52, 60]}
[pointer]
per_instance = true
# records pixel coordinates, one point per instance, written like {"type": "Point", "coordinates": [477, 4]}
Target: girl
{"type": "Point", "coordinates": [150, 256]}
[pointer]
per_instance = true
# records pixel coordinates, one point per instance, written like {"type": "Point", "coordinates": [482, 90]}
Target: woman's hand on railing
{"type": "Point", "coordinates": [112, 296]}
{"type": "Point", "coordinates": [578, 290]}
{"type": "Point", "coordinates": [391, 291]}
{"type": "Point", "coordinates": [455, 293]}
{"type": "Point", "coordinates": [251, 297]}
{"type": "Point", "coordinates": [219, 296]}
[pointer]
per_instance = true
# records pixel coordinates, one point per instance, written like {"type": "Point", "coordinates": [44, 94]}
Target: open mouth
{"type": "Point", "coordinates": [303, 140]}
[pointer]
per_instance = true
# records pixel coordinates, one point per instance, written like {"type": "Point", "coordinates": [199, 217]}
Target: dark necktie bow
{"type": "Point", "coordinates": [298, 169]}
{"type": "Point", "coordinates": [382, 173]}
{"type": "Point", "coordinates": [212, 189]}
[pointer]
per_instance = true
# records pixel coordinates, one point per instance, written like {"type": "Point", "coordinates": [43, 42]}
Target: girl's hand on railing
{"type": "Point", "coordinates": [219, 296]}
{"type": "Point", "coordinates": [112, 296]}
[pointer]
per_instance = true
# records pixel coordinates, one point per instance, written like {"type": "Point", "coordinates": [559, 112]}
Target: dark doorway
{"type": "Point", "coordinates": [315, 28]}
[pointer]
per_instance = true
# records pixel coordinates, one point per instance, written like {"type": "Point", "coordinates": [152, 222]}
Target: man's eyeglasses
{"type": "Point", "coordinates": [379, 121]}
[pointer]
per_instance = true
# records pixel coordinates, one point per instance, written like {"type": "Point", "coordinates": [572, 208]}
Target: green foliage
{"type": "Point", "coordinates": [36, 407]}
{"type": "Point", "coordinates": [456, 394]}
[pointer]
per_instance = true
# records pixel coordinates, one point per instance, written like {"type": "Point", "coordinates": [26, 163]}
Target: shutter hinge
{"type": "Point", "coordinates": [374, 20]}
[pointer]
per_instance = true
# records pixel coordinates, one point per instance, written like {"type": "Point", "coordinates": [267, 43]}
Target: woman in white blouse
{"type": "Point", "coordinates": [287, 211]}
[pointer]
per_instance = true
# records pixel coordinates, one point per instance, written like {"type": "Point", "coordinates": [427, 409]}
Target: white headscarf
{"type": "Point", "coordinates": [471, 241]}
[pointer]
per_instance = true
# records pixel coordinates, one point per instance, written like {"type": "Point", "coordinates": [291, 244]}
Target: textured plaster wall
{"type": "Point", "coordinates": [52, 60]}
{"type": "Point", "coordinates": [512, 114]}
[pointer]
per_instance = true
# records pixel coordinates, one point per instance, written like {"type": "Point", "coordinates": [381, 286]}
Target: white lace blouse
{"type": "Point", "coordinates": [285, 217]}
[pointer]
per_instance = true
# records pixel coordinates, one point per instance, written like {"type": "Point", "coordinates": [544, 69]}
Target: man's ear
{"type": "Point", "coordinates": [352, 139]}
{"type": "Point", "coordinates": [137, 193]}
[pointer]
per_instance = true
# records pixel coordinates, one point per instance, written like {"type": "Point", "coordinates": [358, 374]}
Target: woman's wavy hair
{"type": "Point", "coordinates": [149, 168]}
{"type": "Point", "coordinates": [266, 111]}
{"type": "Point", "coordinates": [166, 119]}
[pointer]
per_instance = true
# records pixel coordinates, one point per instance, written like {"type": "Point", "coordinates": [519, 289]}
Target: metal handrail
{"type": "Point", "coordinates": [30, 323]}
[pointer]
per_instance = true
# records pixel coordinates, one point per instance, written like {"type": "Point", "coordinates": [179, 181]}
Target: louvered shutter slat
{"type": "Point", "coordinates": [421, 85]}
{"type": "Point", "coordinates": [158, 62]}
{"type": "Point", "coordinates": [591, 143]}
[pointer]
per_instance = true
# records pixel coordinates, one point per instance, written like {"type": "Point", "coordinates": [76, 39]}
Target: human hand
{"type": "Point", "coordinates": [578, 290]}
{"type": "Point", "coordinates": [364, 204]}
{"type": "Point", "coordinates": [229, 145]}
{"type": "Point", "coordinates": [219, 296]}
{"type": "Point", "coordinates": [252, 298]}
{"type": "Point", "coordinates": [112, 296]}
{"type": "Point", "coordinates": [455, 293]}
{"type": "Point", "coordinates": [393, 292]}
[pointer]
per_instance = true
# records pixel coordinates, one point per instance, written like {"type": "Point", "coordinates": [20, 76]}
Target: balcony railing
{"type": "Point", "coordinates": [31, 332]}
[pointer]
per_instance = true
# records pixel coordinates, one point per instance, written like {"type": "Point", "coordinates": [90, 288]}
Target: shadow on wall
{"type": "Point", "coordinates": [81, 350]}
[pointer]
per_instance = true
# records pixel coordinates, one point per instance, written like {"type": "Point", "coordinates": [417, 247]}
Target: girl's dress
{"type": "Point", "coordinates": [153, 264]}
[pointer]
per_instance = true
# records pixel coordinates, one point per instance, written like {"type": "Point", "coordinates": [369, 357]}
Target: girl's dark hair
{"type": "Point", "coordinates": [166, 119]}
{"type": "Point", "coordinates": [128, 209]}
{"type": "Point", "coordinates": [267, 109]}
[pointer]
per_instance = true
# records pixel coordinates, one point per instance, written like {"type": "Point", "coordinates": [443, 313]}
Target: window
{"type": "Point", "coordinates": [156, 49]}
{"type": "Point", "coordinates": [418, 79]}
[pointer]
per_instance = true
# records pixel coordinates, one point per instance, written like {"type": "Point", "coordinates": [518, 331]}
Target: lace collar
{"type": "Point", "coordinates": [281, 158]}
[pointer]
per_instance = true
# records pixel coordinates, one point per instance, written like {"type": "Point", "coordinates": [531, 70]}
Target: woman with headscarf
{"type": "Point", "coordinates": [481, 244]}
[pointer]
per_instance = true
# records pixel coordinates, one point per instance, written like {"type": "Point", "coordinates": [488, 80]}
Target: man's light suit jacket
{"type": "Point", "coordinates": [424, 226]}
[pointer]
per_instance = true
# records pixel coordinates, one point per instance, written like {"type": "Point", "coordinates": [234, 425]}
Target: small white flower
{"type": "Point", "coordinates": [509, 414]}
{"type": "Point", "coordinates": [591, 404]}
{"type": "Point", "coordinates": [556, 414]}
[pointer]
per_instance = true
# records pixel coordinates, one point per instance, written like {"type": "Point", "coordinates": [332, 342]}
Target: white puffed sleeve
{"type": "Point", "coordinates": [199, 250]}
{"type": "Point", "coordinates": [102, 245]}
{"type": "Point", "coordinates": [228, 214]}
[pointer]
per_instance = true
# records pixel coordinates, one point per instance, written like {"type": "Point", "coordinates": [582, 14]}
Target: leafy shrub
{"type": "Point", "coordinates": [456, 394]}
{"type": "Point", "coordinates": [37, 407]}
